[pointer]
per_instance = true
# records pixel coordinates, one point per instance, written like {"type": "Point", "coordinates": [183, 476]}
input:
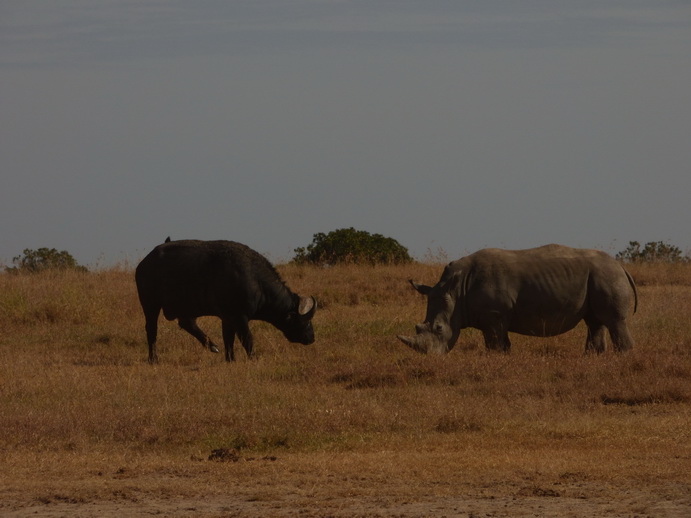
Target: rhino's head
{"type": "Point", "coordinates": [436, 335]}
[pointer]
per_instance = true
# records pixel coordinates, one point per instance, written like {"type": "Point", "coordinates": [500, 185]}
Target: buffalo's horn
{"type": "Point", "coordinates": [307, 307]}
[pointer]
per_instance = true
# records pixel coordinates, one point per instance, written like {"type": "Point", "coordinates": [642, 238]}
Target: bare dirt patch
{"type": "Point", "coordinates": [375, 484]}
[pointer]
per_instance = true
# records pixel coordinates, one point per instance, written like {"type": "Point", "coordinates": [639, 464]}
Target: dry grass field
{"type": "Point", "coordinates": [353, 425]}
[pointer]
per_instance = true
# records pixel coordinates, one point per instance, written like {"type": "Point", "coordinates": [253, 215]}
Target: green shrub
{"type": "Point", "coordinates": [652, 252]}
{"type": "Point", "coordinates": [348, 245]}
{"type": "Point", "coordinates": [33, 261]}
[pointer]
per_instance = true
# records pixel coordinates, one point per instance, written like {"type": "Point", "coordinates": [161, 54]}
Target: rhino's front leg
{"type": "Point", "coordinates": [494, 330]}
{"type": "Point", "coordinates": [497, 340]}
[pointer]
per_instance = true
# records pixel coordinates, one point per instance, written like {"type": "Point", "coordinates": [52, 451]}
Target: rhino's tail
{"type": "Point", "coordinates": [633, 287]}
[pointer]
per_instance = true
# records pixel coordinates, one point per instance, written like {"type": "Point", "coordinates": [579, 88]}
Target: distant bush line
{"type": "Point", "coordinates": [33, 261]}
{"type": "Point", "coordinates": [652, 252]}
{"type": "Point", "coordinates": [343, 246]}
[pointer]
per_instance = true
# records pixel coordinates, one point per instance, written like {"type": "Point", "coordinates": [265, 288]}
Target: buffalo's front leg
{"type": "Point", "coordinates": [228, 338]}
{"type": "Point", "coordinates": [243, 331]}
{"type": "Point", "coordinates": [190, 325]}
{"type": "Point", "coordinates": [240, 327]}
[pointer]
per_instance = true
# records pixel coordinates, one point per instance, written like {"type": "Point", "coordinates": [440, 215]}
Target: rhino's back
{"type": "Point", "coordinates": [541, 291]}
{"type": "Point", "coordinates": [554, 266]}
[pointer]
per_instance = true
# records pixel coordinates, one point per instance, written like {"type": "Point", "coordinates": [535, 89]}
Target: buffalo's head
{"type": "Point", "coordinates": [436, 335]}
{"type": "Point", "coordinates": [297, 326]}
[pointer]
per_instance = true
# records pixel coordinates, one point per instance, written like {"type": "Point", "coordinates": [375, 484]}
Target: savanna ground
{"type": "Point", "coordinates": [353, 425]}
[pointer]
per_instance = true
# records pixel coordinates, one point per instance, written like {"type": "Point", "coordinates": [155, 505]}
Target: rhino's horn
{"type": "Point", "coordinates": [412, 343]}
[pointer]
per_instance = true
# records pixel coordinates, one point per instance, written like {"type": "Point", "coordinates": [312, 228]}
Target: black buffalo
{"type": "Point", "coordinates": [189, 279]}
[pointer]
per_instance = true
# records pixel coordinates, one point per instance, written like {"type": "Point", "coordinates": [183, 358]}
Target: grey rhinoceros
{"type": "Point", "coordinates": [542, 291]}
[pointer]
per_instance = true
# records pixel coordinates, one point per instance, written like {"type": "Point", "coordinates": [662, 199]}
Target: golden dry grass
{"type": "Point", "coordinates": [355, 424]}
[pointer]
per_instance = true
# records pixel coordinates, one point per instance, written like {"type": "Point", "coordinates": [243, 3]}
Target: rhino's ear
{"type": "Point", "coordinates": [421, 288]}
{"type": "Point", "coordinates": [307, 307]}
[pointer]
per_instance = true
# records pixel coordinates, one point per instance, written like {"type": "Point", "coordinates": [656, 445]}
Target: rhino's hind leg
{"type": "Point", "coordinates": [190, 325]}
{"type": "Point", "coordinates": [621, 338]}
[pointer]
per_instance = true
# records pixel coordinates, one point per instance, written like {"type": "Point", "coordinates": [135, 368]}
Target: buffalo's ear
{"type": "Point", "coordinates": [420, 287]}
{"type": "Point", "coordinates": [307, 307]}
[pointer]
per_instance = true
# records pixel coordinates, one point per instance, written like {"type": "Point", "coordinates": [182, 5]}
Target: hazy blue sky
{"type": "Point", "coordinates": [444, 124]}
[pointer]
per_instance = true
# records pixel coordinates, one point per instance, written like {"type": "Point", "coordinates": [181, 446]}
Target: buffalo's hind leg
{"type": "Point", "coordinates": [190, 325]}
{"type": "Point", "coordinates": [151, 326]}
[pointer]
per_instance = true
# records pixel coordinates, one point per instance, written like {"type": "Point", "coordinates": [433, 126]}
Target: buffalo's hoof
{"type": "Point", "coordinates": [213, 349]}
